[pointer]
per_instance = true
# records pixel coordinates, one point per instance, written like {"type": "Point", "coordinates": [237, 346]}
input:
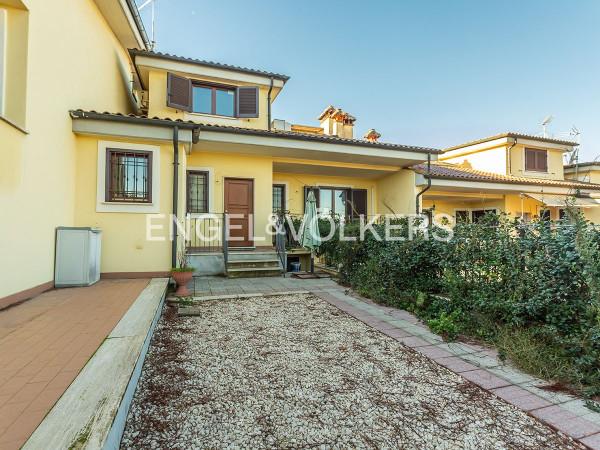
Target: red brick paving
{"type": "Point", "coordinates": [45, 342]}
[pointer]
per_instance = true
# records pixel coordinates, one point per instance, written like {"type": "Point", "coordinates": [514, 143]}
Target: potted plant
{"type": "Point", "coordinates": [182, 274]}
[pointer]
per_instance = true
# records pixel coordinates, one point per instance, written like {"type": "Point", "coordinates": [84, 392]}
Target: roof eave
{"type": "Point", "coordinates": [133, 52]}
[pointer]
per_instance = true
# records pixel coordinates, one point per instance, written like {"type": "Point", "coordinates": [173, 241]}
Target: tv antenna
{"type": "Point", "coordinates": [153, 13]}
{"type": "Point", "coordinates": [545, 123]}
{"type": "Point", "coordinates": [576, 135]}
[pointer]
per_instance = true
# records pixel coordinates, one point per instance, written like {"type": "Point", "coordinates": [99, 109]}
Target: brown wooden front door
{"type": "Point", "coordinates": [239, 200]}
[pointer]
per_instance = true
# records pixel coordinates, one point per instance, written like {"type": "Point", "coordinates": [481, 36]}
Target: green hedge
{"type": "Point", "coordinates": [533, 290]}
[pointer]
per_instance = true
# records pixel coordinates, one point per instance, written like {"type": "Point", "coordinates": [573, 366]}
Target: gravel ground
{"type": "Point", "coordinates": [295, 372]}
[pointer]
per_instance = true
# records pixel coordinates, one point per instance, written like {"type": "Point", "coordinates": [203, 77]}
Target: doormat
{"type": "Point", "coordinates": [308, 275]}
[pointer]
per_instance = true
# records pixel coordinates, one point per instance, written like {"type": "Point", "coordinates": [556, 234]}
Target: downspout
{"type": "Point", "coordinates": [510, 156]}
{"type": "Point", "coordinates": [428, 177]}
{"type": "Point", "coordinates": [175, 193]}
{"type": "Point", "coordinates": [269, 104]}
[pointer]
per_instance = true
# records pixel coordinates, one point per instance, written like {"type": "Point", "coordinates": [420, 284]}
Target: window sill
{"type": "Point", "coordinates": [214, 116]}
{"type": "Point", "coordinates": [14, 125]}
{"type": "Point", "coordinates": [128, 203]}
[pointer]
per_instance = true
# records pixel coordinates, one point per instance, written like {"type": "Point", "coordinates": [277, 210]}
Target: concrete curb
{"type": "Point", "coordinates": [91, 414]}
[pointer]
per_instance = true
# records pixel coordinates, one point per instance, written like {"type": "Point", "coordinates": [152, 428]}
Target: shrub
{"type": "Point", "coordinates": [534, 290]}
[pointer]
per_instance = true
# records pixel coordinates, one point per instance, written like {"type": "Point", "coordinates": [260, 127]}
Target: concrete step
{"type": "Point", "coordinates": [252, 256]}
{"type": "Point", "coordinates": [247, 263]}
{"type": "Point", "coordinates": [251, 272]}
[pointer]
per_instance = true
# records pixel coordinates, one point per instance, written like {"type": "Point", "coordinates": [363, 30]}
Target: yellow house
{"type": "Point", "coordinates": [98, 131]}
{"type": "Point", "coordinates": [232, 158]}
{"type": "Point", "coordinates": [515, 173]}
{"type": "Point", "coordinates": [54, 56]}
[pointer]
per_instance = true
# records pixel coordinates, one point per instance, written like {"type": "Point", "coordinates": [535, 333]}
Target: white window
{"type": "Point", "coordinates": [3, 34]}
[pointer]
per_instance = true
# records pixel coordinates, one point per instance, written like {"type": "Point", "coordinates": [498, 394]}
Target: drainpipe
{"type": "Point", "coordinates": [269, 103]}
{"type": "Point", "coordinates": [510, 157]}
{"type": "Point", "coordinates": [427, 175]}
{"type": "Point", "coordinates": [175, 193]}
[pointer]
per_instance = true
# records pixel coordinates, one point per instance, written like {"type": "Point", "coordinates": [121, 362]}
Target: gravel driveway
{"type": "Point", "coordinates": [295, 372]}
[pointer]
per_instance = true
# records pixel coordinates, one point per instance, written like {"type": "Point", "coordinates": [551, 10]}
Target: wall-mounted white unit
{"type": "Point", "coordinates": [77, 260]}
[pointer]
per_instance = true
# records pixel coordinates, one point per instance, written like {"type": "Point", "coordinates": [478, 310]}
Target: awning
{"type": "Point", "coordinates": [563, 200]}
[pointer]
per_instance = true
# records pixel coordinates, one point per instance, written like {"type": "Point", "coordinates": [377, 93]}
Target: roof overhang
{"type": "Point", "coordinates": [123, 18]}
{"type": "Point", "coordinates": [287, 146]}
{"type": "Point", "coordinates": [286, 165]}
{"type": "Point", "coordinates": [582, 168]}
{"type": "Point", "coordinates": [146, 62]}
{"type": "Point", "coordinates": [490, 187]}
{"type": "Point", "coordinates": [564, 200]}
{"type": "Point", "coordinates": [125, 127]}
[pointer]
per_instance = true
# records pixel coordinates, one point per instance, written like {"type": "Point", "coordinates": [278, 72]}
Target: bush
{"type": "Point", "coordinates": [537, 285]}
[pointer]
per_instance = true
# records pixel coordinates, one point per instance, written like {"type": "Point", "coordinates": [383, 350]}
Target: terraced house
{"type": "Point", "coordinates": [102, 132]}
{"type": "Point", "coordinates": [514, 173]}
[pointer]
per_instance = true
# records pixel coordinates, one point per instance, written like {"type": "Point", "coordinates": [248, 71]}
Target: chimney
{"type": "Point", "coordinates": [336, 122]}
{"type": "Point", "coordinates": [372, 135]}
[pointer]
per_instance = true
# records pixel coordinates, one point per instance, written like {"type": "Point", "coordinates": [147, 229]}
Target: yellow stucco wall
{"type": "Point", "coordinates": [74, 61]}
{"type": "Point", "coordinates": [125, 247]}
{"type": "Point", "coordinates": [449, 207]}
{"type": "Point", "coordinates": [397, 193]}
{"type": "Point", "coordinates": [555, 163]}
{"type": "Point", "coordinates": [511, 204]}
{"type": "Point", "coordinates": [295, 183]}
{"type": "Point", "coordinates": [157, 106]}
{"type": "Point", "coordinates": [223, 165]}
{"type": "Point", "coordinates": [490, 160]}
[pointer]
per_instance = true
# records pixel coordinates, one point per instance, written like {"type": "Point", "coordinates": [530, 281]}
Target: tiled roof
{"type": "Point", "coordinates": [583, 164]}
{"type": "Point", "coordinates": [447, 171]}
{"type": "Point", "coordinates": [511, 134]}
{"type": "Point", "coordinates": [80, 114]}
{"type": "Point", "coordinates": [200, 62]}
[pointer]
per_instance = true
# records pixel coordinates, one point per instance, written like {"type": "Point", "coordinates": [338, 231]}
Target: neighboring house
{"type": "Point", "coordinates": [518, 174]}
{"type": "Point", "coordinates": [98, 131]}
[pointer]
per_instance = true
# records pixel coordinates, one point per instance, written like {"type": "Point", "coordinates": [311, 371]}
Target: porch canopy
{"type": "Point", "coordinates": [561, 201]}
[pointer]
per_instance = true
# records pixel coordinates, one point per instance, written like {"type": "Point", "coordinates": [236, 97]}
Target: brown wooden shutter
{"type": "Point", "coordinates": [530, 159]}
{"type": "Point", "coordinates": [179, 92]}
{"type": "Point", "coordinates": [359, 203]}
{"type": "Point", "coordinates": [247, 101]}
{"type": "Point", "coordinates": [542, 161]}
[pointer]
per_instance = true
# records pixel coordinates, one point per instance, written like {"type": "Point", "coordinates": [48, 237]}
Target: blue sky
{"type": "Point", "coordinates": [431, 73]}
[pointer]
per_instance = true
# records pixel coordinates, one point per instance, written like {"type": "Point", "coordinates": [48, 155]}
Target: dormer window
{"type": "Point", "coordinates": [215, 100]}
{"type": "Point", "coordinates": [189, 95]}
{"type": "Point", "coordinates": [536, 160]}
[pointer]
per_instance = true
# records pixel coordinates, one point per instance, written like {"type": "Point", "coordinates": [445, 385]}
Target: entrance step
{"type": "Point", "coordinates": [238, 255]}
{"type": "Point", "coordinates": [246, 264]}
{"type": "Point", "coordinates": [251, 263]}
{"type": "Point", "coordinates": [251, 272]}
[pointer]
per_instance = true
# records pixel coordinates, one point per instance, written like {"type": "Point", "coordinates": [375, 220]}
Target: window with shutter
{"type": "Point", "coordinates": [179, 92]}
{"type": "Point", "coordinates": [247, 101]}
{"type": "Point", "coordinates": [358, 204]}
{"type": "Point", "coordinates": [536, 160]}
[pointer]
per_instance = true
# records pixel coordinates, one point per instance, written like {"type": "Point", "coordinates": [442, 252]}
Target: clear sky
{"type": "Point", "coordinates": [423, 72]}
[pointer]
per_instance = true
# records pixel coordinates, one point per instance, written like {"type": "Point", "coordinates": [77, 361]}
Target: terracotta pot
{"type": "Point", "coordinates": [182, 279]}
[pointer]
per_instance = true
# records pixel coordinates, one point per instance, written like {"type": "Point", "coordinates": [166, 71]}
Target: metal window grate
{"type": "Point", "coordinates": [129, 176]}
{"type": "Point", "coordinates": [197, 192]}
{"type": "Point", "coordinates": [278, 197]}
